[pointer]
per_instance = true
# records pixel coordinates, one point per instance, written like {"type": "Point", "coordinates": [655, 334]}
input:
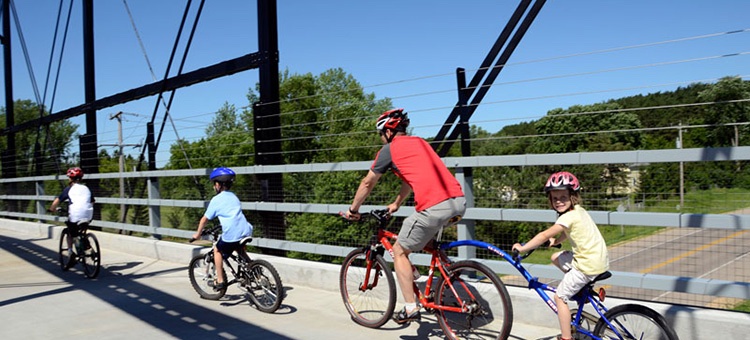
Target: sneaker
{"type": "Point", "coordinates": [403, 317]}
{"type": "Point", "coordinates": [218, 286]}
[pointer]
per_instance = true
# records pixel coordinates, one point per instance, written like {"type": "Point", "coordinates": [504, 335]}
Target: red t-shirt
{"type": "Point", "coordinates": [417, 164]}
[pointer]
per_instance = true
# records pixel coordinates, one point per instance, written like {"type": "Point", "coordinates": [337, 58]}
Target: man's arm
{"type": "Point", "coordinates": [402, 195]}
{"type": "Point", "coordinates": [364, 190]}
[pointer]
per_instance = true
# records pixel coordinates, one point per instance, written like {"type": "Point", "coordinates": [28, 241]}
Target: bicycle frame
{"type": "Point", "coordinates": [582, 298]}
{"type": "Point", "coordinates": [237, 257]}
{"type": "Point", "coordinates": [439, 260]}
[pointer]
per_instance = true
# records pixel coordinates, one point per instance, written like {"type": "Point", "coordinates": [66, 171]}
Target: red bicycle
{"type": "Point", "coordinates": [468, 299]}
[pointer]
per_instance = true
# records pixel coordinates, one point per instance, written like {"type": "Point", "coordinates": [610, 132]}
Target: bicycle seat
{"type": "Point", "coordinates": [602, 276]}
{"type": "Point", "coordinates": [245, 240]}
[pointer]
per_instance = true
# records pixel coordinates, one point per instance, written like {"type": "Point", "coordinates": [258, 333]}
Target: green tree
{"type": "Point", "coordinates": [53, 142]}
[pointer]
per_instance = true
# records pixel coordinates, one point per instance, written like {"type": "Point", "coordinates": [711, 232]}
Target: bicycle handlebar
{"type": "Point", "coordinates": [380, 215]}
{"type": "Point", "coordinates": [213, 231]}
{"type": "Point", "coordinates": [59, 211]}
{"type": "Point", "coordinates": [518, 257]}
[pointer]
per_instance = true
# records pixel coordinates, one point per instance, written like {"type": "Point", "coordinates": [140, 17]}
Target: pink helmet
{"type": "Point", "coordinates": [562, 180]}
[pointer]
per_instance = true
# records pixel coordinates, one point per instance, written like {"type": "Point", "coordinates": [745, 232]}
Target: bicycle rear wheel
{"type": "Point", "coordinates": [588, 321]}
{"type": "Point", "coordinates": [202, 272]}
{"type": "Point", "coordinates": [490, 313]}
{"type": "Point", "coordinates": [91, 255]}
{"type": "Point", "coordinates": [264, 286]}
{"type": "Point", "coordinates": [634, 322]}
{"type": "Point", "coordinates": [66, 260]}
{"type": "Point", "coordinates": [368, 298]}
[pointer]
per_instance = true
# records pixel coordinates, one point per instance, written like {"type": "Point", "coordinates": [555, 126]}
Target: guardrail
{"type": "Point", "coordinates": [624, 279]}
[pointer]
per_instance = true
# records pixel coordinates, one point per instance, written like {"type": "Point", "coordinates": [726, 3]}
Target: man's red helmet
{"type": "Point", "coordinates": [562, 180]}
{"type": "Point", "coordinates": [75, 173]}
{"type": "Point", "coordinates": [395, 119]}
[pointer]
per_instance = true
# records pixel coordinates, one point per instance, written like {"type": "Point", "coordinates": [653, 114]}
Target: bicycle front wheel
{"type": "Point", "coordinates": [91, 255]}
{"type": "Point", "coordinates": [367, 288]}
{"type": "Point", "coordinates": [634, 322]}
{"type": "Point", "coordinates": [264, 286]}
{"type": "Point", "coordinates": [202, 272]}
{"type": "Point", "coordinates": [488, 313]}
{"type": "Point", "coordinates": [66, 258]}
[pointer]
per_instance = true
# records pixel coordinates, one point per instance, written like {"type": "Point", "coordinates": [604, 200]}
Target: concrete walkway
{"type": "Point", "coordinates": [138, 297]}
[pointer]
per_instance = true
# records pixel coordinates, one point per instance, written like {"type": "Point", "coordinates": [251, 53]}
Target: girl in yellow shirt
{"type": "Point", "coordinates": [589, 256]}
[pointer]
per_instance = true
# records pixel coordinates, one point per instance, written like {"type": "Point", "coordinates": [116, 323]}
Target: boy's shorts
{"type": "Point", "coordinates": [226, 248]}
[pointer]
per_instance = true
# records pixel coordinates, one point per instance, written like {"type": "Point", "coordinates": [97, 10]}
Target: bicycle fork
{"type": "Point", "coordinates": [370, 265]}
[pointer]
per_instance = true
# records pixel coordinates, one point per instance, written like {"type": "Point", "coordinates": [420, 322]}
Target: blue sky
{"type": "Point", "coordinates": [405, 50]}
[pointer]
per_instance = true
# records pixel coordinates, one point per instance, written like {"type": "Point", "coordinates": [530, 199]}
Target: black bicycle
{"type": "Point", "coordinates": [257, 278]}
{"type": "Point", "coordinates": [83, 249]}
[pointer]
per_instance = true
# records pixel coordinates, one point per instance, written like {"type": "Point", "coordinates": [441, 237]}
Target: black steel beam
{"type": "Point", "coordinates": [442, 144]}
{"type": "Point", "coordinates": [504, 57]}
{"type": "Point", "coordinates": [484, 67]}
{"type": "Point", "coordinates": [225, 68]}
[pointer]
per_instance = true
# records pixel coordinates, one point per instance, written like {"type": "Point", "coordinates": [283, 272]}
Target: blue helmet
{"type": "Point", "coordinates": [222, 174]}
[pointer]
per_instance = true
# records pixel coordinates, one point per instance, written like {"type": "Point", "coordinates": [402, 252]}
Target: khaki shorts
{"type": "Point", "coordinates": [421, 227]}
{"type": "Point", "coordinates": [573, 280]}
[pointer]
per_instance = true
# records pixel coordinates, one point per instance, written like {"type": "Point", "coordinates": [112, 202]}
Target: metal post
{"type": "Point", "coordinates": [466, 228]}
{"type": "Point", "coordinates": [41, 206]}
{"type": "Point", "coordinates": [154, 211]}
{"type": "Point", "coordinates": [8, 156]}
{"type": "Point", "coordinates": [682, 171]}
{"type": "Point", "coordinates": [118, 116]}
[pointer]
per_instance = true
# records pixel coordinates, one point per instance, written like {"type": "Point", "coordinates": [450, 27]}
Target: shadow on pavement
{"type": "Point", "coordinates": [167, 313]}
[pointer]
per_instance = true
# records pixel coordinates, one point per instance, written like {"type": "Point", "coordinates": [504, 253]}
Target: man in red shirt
{"type": "Point", "coordinates": [438, 197]}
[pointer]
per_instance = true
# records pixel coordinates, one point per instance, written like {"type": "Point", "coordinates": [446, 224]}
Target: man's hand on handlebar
{"type": "Point", "coordinates": [350, 215]}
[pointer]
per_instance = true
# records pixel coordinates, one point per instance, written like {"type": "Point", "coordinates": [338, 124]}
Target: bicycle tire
{"type": "Point", "coordinates": [66, 260]}
{"type": "Point", "coordinates": [264, 286]}
{"type": "Point", "coordinates": [637, 321]}
{"type": "Point", "coordinates": [372, 307]}
{"type": "Point", "coordinates": [91, 257]}
{"type": "Point", "coordinates": [202, 272]}
{"type": "Point", "coordinates": [479, 288]}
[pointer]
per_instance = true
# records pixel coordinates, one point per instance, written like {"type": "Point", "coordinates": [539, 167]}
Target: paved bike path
{"type": "Point", "coordinates": [140, 297]}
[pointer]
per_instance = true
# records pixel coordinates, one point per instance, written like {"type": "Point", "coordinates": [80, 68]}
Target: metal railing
{"type": "Point", "coordinates": [686, 283]}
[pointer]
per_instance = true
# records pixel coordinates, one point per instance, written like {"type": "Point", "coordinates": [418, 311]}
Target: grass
{"type": "Point", "coordinates": [713, 201]}
{"type": "Point", "coordinates": [743, 307]}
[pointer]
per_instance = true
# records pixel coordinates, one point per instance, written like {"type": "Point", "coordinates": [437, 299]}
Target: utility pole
{"type": "Point", "coordinates": [682, 171]}
{"type": "Point", "coordinates": [120, 145]}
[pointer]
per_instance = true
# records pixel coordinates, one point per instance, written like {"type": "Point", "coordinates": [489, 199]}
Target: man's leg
{"type": "Point", "coordinates": [402, 266]}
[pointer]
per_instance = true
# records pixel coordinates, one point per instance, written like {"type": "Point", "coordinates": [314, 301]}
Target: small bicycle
{"type": "Point", "coordinates": [627, 321]}
{"type": "Point", "coordinates": [257, 278]}
{"type": "Point", "coordinates": [469, 299]}
{"type": "Point", "coordinates": [83, 249]}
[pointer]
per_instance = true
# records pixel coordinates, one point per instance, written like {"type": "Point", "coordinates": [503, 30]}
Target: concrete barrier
{"type": "Point", "coordinates": [689, 322]}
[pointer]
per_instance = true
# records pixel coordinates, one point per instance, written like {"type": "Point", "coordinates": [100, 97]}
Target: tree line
{"type": "Point", "coordinates": [329, 118]}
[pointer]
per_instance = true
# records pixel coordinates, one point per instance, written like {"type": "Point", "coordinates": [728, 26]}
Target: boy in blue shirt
{"type": "Point", "coordinates": [234, 227]}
